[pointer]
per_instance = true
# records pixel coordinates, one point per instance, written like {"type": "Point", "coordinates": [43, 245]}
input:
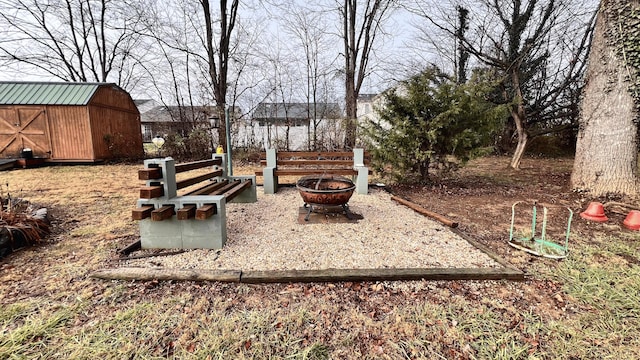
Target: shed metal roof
{"type": "Point", "coordinates": [47, 93]}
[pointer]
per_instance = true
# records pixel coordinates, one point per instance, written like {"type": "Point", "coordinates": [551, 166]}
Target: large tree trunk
{"type": "Point", "coordinates": [606, 149]}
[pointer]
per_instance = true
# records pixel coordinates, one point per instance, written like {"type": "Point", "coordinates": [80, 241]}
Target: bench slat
{"type": "Point", "coordinates": [197, 165]}
{"type": "Point", "coordinates": [187, 212]}
{"type": "Point", "coordinates": [194, 180]}
{"type": "Point", "coordinates": [313, 154]}
{"type": "Point", "coordinates": [236, 190]}
{"type": "Point", "coordinates": [209, 188]}
{"type": "Point", "coordinates": [165, 212]}
{"type": "Point", "coordinates": [142, 212]}
{"type": "Point", "coordinates": [225, 188]}
{"type": "Point", "coordinates": [206, 211]}
{"type": "Point", "coordinates": [150, 174]}
{"type": "Point", "coordinates": [150, 192]}
{"type": "Point", "coordinates": [311, 162]}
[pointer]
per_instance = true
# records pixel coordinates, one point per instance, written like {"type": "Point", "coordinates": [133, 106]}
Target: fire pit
{"type": "Point", "coordinates": [325, 191]}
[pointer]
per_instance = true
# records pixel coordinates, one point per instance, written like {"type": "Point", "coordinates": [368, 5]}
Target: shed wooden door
{"type": "Point", "coordinates": [24, 127]}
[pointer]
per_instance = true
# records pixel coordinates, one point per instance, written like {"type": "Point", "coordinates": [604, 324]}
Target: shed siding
{"type": "Point", "coordinates": [70, 133]}
{"type": "Point", "coordinates": [113, 97]}
{"type": "Point", "coordinates": [115, 124]}
{"type": "Point", "coordinates": [69, 122]}
{"type": "Point", "coordinates": [115, 133]}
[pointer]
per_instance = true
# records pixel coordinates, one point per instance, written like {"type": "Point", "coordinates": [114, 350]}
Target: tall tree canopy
{"type": "Point", "coordinates": [73, 40]}
{"type": "Point", "coordinates": [537, 48]}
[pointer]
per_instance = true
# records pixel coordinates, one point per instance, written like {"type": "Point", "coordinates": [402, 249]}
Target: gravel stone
{"type": "Point", "coordinates": [266, 235]}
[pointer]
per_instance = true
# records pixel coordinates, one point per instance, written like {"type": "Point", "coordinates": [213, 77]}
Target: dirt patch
{"type": "Point", "coordinates": [480, 197]}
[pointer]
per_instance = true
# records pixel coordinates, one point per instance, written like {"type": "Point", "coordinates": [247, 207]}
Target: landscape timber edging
{"type": "Point", "coordinates": [303, 276]}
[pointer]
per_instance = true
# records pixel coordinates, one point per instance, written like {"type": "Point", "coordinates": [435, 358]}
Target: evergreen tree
{"type": "Point", "coordinates": [430, 121]}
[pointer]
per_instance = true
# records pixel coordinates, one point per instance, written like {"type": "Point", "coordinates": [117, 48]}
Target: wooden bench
{"type": "Point", "coordinates": [195, 219]}
{"type": "Point", "coordinates": [299, 163]}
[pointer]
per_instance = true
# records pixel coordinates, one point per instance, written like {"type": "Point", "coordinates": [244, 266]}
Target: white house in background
{"type": "Point", "coordinates": [291, 125]}
{"type": "Point", "coordinates": [366, 105]}
{"type": "Point", "coordinates": [157, 119]}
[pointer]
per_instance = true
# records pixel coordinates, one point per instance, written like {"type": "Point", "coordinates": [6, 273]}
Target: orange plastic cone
{"type": "Point", "coordinates": [595, 212]}
{"type": "Point", "coordinates": [632, 220]}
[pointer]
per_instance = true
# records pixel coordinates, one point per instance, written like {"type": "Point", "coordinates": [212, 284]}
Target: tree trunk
{"type": "Point", "coordinates": [351, 124]}
{"type": "Point", "coordinates": [606, 149]}
{"type": "Point", "coordinates": [520, 148]}
{"type": "Point", "coordinates": [519, 115]}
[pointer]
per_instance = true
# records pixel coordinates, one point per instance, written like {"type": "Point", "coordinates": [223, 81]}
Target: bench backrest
{"type": "Point", "coordinates": [303, 158]}
{"type": "Point", "coordinates": [160, 175]}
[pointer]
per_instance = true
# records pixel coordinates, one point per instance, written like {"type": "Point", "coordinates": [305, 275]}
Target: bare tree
{"type": "Point", "coordinates": [537, 49]}
{"type": "Point", "coordinates": [607, 149]}
{"type": "Point", "coordinates": [361, 24]}
{"type": "Point", "coordinates": [73, 40]}
{"type": "Point", "coordinates": [308, 28]}
{"type": "Point", "coordinates": [218, 54]}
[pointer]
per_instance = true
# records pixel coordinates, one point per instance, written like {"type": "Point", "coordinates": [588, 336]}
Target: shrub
{"type": "Point", "coordinates": [195, 146]}
{"type": "Point", "coordinates": [431, 122]}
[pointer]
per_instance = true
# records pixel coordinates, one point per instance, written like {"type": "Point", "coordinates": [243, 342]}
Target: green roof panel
{"type": "Point", "coordinates": [41, 93]}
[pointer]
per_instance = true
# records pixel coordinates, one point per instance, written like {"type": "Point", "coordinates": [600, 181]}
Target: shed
{"type": "Point", "coordinates": [69, 122]}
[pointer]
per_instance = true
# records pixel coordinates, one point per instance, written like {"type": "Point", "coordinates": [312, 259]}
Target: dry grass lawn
{"type": "Point", "coordinates": [583, 307]}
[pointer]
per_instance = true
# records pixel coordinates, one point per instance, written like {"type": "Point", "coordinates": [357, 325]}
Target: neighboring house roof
{"type": "Point", "coordinates": [163, 114]}
{"type": "Point", "coordinates": [366, 97]}
{"type": "Point", "coordinates": [48, 93]}
{"type": "Point", "coordinates": [145, 105]}
{"type": "Point", "coordinates": [291, 111]}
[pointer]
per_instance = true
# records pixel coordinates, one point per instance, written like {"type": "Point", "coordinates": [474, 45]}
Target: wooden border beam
{"type": "Point", "coordinates": [148, 274]}
{"type": "Point", "coordinates": [326, 275]}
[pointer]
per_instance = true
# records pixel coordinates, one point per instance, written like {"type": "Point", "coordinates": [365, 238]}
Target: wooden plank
{"type": "Point", "coordinates": [312, 162]}
{"type": "Point", "coordinates": [225, 188]}
{"type": "Point", "coordinates": [163, 213]}
{"type": "Point", "coordinates": [259, 173]}
{"type": "Point", "coordinates": [236, 190]}
{"type": "Point", "coordinates": [142, 212]}
{"type": "Point", "coordinates": [287, 276]}
{"type": "Point", "coordinates": [206, 211]}
{"type": "Point", "coordinates": [299, 172]}
{"type": "Point", "coordinates": [208, 189]}
{"type": "Point", "coordinates": [186, 212]}
{"type": "Point", "coordinates": [137, 245]}
{"type": "Point", "coordinates": [148, 274]}
{"type": "Point", "coordinates": [196, 179]}
{"type": "Point", "coordinates": [197, 165]}
{"type": "Point", "coordinates": [150, 174]}
{"type": "Point", "coordinates": [333, 275]}
{"type": "Point", "coordinates": [313, 154]}
{"type": "Point", "coordinates": [419, 209]}
{"type": "Point", "coordinates": [150, 192]}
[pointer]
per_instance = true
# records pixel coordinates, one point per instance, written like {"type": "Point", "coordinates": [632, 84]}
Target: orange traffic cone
{"type": "Point", "coordinates": [595, 212]}
{"type": "Point", "coordinates": [632, 220]}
